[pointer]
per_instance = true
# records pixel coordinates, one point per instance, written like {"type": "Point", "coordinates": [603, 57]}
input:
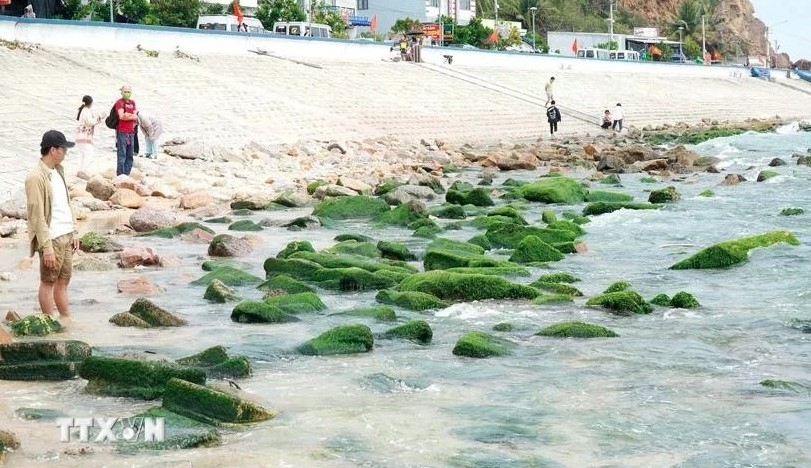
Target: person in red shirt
{"type": "Point", "coordinates": [125, 131]}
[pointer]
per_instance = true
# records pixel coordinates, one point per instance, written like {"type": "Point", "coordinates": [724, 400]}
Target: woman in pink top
{"type": "Point", "coordinates": [85, 130]}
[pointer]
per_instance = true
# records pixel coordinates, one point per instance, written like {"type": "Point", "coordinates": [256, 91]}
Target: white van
{"type": "Point", "coordinates": [626, 55]}
{"type": "Point", "coordinates": [302, 29]}
{"type": "Point", "coordinates": [601, 54]}
{"type": "Point", "coordinates": [228, 23]}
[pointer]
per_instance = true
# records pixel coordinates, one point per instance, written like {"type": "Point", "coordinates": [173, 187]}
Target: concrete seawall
{"type": "Point", "coordinates": [330, 89]}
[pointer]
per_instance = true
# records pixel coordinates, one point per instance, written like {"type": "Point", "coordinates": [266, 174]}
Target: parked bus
{"type": "Point", "coordinates": [601, 54]}
{"type": "Point", "coordinates": [302, 29]}
{"type": "Point", "coordinates": [627, 55]}
{"type": "Point", "coordinates": [228, 23]}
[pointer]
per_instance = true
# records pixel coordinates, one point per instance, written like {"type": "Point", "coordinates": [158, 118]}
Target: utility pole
{"type": "Point", "coordinates": [495, 8]}
{"type": "Point", "coordinates": [441, 25]}
{"type": "Point", "coordinates": [112, 15]}
{"type": "Point", "coordinates": [703, 39]}
{"type": "Point", "coordinates": [768, 50]}
{"type": "Point", "coordinates": [611, 24]}
{"type": "Point", "coordinates": [533, 10]}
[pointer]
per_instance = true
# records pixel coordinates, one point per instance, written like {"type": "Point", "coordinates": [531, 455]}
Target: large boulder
{"type": "Point", "coordinates": [226, 245]}
{"type": "Point", "coordinates": [465, 287]}
{"type": "Point", "coordinates": [481, 345]}
{"type": "Point", "coordinates": [148, 219]}
{"type": "Point", "coordinates": [209, 405]}
{"type": "Point", "coordinates": [41, 360]}
{"type": "Point", "coordinates": [344, 339]}
{"type": "Point", "coordinates": [260, 312]}
{"type": "Point", "coordinates": [100, 188]}
{"type": "Point", "coordinates": [411, 300]}
{"type": "Point", "coordinates": [134, 379]}
{"type": "Point", "coordinates": [552, 190]}
{"type": "Point", "coordinates": [417, 331]}
{"type": "Point", "coordinates": [126, 198]}
{"type": "Point", "coordinates": [216, 362]}
{"type": "Point", "coordinates": [577, 330]}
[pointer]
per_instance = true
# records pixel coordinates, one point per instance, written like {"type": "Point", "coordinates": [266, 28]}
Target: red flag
{"type": "Point", "coordinates": [493, 38]}
{"type": "Point", "coordinates": [238, 13]}
{"type": "Point", "coordinates": [574, 46]}
{"type": "Point", "coordinates": [373, 25]}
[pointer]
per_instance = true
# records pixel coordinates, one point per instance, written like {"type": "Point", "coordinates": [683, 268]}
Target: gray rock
{"type": "Point", "coordinates": [8, 229]}
{"type": "Point", "coordinates": [225, 245]}
{"type": "Point", "coordinates": [405, 193]}
{"type": "Point", "coordinates": [303, 223]}
{"type": "Point", "coordinates": [148, 219]}
{"type": "Point", "coordinates": [14, 208]}
{"type": "Point", "coordinates": [293, 199]}
{"type": "Point", "coordinates": [611, 163]}
{"type": "Point", "coordinates": [190, 151]}
{"type": "Point", "coordinates": [776, 162]}
{"type": "Point", "coordinates": [92, 204]}
{"type": "Point", "coordinates": [100, 188]}
{"type": "Point", "coordinates": [332, 191]}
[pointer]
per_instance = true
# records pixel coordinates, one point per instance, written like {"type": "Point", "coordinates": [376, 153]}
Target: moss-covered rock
{"type": "Point", "coordinates": [211, 406]}
{"type": "Point", "coordinates": [135, 379]}
{"type": "Point", "coordinates": [481, 240]}
{"type": "Point", "coordinates": [351, 247]}
{"type": "Point", "coordinates": [665, 195]}
{"type": "Point", "coordinates": [791, 211]}
{"type": "Point", "coordinates": [509, 212]}
{"type": "Point", "coordinates": [126, 319]}
{"type": "Point", "coordinates": [611, 179]}
{"type": "Point", "coordinates": [481, 345]}
{"type": "Point", "coordinates": [379, 313]}
{"type": "Point", "coordinates": [387, 186]}
{"type": "Point", "coordinates": [557, 288]}
{"type": "Point", "coordinates": [354, 207]}
{"type": "Point", "coordinates": [503, 327]}
{"type": "Point", "coordinates": [661, 300]}
{"type": "Point", "coordinates": [217, 364]}
{"type": "Point", "coordinates": [352, 236]}
{"type": "Point", "coordinates": [180, 433]}
{"type": "Point", "coordinates": [176, 231]}
{"type": "Point", "coordinates": [295, 246]}
{"type": "Point", "coordinates": [245, 225]}
{"type": "Point", "coordinates": [533, 249]}
{"type": "Point", "coordinates": [417, 331]}
{"type": "Point", "coordinates": [426, 232]}
{"type": "Point", "coordinates": [476, 197]}
{"type": "Point", "coordinates": [566, 225]}
{"type": "Point", "coordinates": [154, 315]}
{"type": "Point", "coordinates": [457, 286]}
{"type": "Point", "coordinates": [285, 283]}
{"type": "Point", "coordinates": [486, 221]}
{"type": "Point", "coordinates": [577, 330]}
{"type": "Point", "coordinates": [604, 196]}
{"type": "Point", "coordinates": [550, 298]}
{"type": "Point", "coordinates": [395, 251]}
{"type": "Point", "coordinates": [260, 312]}
{"type": "Point", "coordinates": [707, 193]}
{"type": "Point", "coordinates": [684, 300]}
{"type": "Point", "coordinates": [297, 268]}
{"type": "Point", "coordinates": [617, 286]}
{"type": "Point", "coordinates": [599, 208]}
{"type": "Point", "coordinates": [299, 303]}
{"type": "Point", "coordinates": [729, 253]}
{"type": "Point", "coordinates": [354, 279]}
{"type": "Point", "coordinates": [576, 218]}
{"type": "Point", "coordinates": [562, 190]}
{"type": "Point", "coordinates": [250, 204]}
{"type": "Point", "coordinates": [710, 134]}
{"type": "Point", "coordinates": [508, 235]}
{"type": "Point", "coordinates": [41, 360]}
{"type": "Point", "coordinates": [35, 325]}
{"type": "Point", "coordinates": [511, 270]}
{"type": "Point", "coordinates": [402, 215]}
{"type": "Point", "coordinates": [621, 303]}
{"type": "Point", "coordinates": [411, 300]}
{"type": "Point", "coordinates": [229, 276]}
{"type": "Point", "coordinates": [219, 293]}
{"type": "Point", "coordinates": [449, 211]}
{"type": "Point", "coordinates": [345, 339]}
{"type": "Point", "coordinates": [436, 258]}
{"type": "Point", "coordinates": [559, 277]}
{"type": "Point", "coordinates": [95, 243]}
{"type": "Point", "coordinates": [312, 186]}
{"type": "Point", "coordinates": [786, 385]}
{"type": "Point", "coordinates": [220, 220]}
{"type": "Point", "coordinates": [354, 261]}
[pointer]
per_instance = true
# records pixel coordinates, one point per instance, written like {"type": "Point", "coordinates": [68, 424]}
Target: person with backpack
{"type": "Point", "coordinates": [85, 130]}
{"type": "Point", "coordinates": [127, 114]}
{"type": "Point", "coordinates": [553, 117]}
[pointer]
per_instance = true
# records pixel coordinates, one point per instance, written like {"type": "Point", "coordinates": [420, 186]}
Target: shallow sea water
{"type": "Point", "coordinates": [677, 388]}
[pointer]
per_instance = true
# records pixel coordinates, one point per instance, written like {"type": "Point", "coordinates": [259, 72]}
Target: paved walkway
{"type": "Point", "coordinates": [233, 100]}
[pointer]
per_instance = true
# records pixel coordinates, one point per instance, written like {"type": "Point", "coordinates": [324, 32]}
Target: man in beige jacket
{"type": "Point", "coordinates": [51, 223]}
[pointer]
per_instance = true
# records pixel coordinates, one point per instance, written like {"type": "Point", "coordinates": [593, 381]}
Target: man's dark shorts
{"type": "Point", "coordinates": [63, 251]}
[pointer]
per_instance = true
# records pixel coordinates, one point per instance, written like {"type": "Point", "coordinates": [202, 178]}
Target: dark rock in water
{"type": "Point", "coordinates": [180, 433]}
{"type": "Point", "coordinates": [260, 312]}
{"type": "Point", "coordinates": [733, 179]}
{"type": "Point", "coordinates": [303, 223]}
{"type": "Point", "coordinates": [41, 360]}
{"type": "Point", "coordinates": [135, 379]}
{"type": "Point", "coordinates": [126, 319]}
{"type": "Point", "coordinates": [776, 162]}
{"type": "Point", "coordinates": [245, 225]}
{"type": "Point", "coordinates": [220, 220]}
{"type": "Point", "coordinates": [154, 315]}
{"type": "Point", "coordinates": [225, 245]}
{"type": "Point", "coordinates": [766, 175]}
{"type": "Point", "coordinates": [383, 383]}
{"type": "Point", "coordinates": [219, 293]}
{"type": "Point", "coordinates": [38, 414]}
{"type": "Point", "coordinates": [209, 405]}
{"type": "Point", "coordinates": [250, 204]}
{"type": "Point", "coordinates": [216, 362]}
{"type": "Point", "coordinates": [803, 159]}
{"type": "Point", "coordinates": [665, 195]}
{"type": "Point", "coordinates": [712, 170]}
{"type": "Point", "coordinates": [229, 276]}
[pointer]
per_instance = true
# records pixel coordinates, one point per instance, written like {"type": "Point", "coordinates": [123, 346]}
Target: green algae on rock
{"type": "Point", "coordinates": [379, 313]}
{"type": "Point", "coordinates": [729, 253]}
{"type": "Point", "coordinates": [260, 312]}
{"type": "Point", "coordinates": [411, 300]}
{"type": "Point", "coordinates": [41, 360]}
{"type": "Point", "coordinates": [605, 196]}
{"type": "Point", "coordinates": [707, 193]}
{"type": "Point", "coordinates": [791, 211]}
{"type": "Point", "coordinates": [297, 303]}
{"type": "Point", "coordinates": [95, 243]}
{"type": "Point", "coordinates": [395, 251]}
{"type": "Point", "coordinates": [208, 405]}
{"type": "Point", "coordinates": [344, 339]}
{"type": "Point", "coordinates": [557, 288]}
{"type": "Point", "coordinates": [463, 287]}
{"type": "Point", "coordinates": [532, 249]}
{"type": "Point", "coordinates": [176, 231]}
{"type": "Point", "coordinates": [559, 277]}
{"type": "Point", "coordinates": [219, 293]}
{"type": "Point", "coordinates": [786, 385]}
{"type": "Point", "coordinates": [35, 325]}
{"type": "Point", "coordinates": [297, 268]}
{"type": "Point", "coordinates": [417, 331]}
{"type": "Point", "coordinates": [661, 300]}
{"type": "Point", "coordinates": [217, 364]}
{"type": "Point", "coordinates": [293, 247]}
{"type": "Point", "coordinates": [599, 208]}
{"type": "Point", "coordinates": [154, 315]}
{"type": "Point", "coordinates": [353, 207]}
{"type": "Point", "coordinates": [135, 379]}
{"type": "Point", "coordinates": [481, 345]}
{"type": "Point", "coordinates": [126, 319]}
{"type": "Point", "coordinates": [351, 247]}
{"type": "Point", "coordinates": [577, 330]}
{"type": "Point", "coordinates": [285, 283]}
{"type": "Point", "coordinates": [476, 197]}
{"type": "Point", "coordinates": [617, 286]}
{"type": "Point", "coordinates": [622, 303]}
{"type": "Point", "coordinates": [245, 225]}
{"type": "Point", "coordinates": [684, 300]}
{"type": "Point", "coordinates": [562, 190]}
{"type": "Point", "coordinates": [504, 270]}
{"type": "Point", "coordinates": [508, 212]}
{"type": "Point", "coordinates": [665, 195]}
{"type": "Point", "coordinates": [353, 261]}
{"type": "Point", "coordinates": [354, 279]}
{"type": "Point", "coordinates": [509, 235]}
{"type": "Point", "coordinates": [503, 327]}
{"type": "Point", "coordinates": [402, 215]}
{"type": "Point", "coordinates": [229, 276]}
{"type": "Point", "coordinates": [547, 298]}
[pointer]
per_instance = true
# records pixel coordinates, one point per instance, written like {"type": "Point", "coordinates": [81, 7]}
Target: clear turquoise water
{"type": "Point", "coordinates": [677, 388]}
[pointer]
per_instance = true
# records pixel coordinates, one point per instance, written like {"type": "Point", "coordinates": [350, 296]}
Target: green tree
{"type": "Point", "coordinates": [182, 13]}
{"type": "Point", "coordinates": [610, 45]}
{"type": "Point", "coordinates": [404, 25]}
{"type": "Point", "coordinates": [473, 33]}
{"type": "Point", "coordinates": [215, 9]}
{"type": "Point", "coordinates": [271, 11]}
{"type": "Point", "coordinates": [688, 16]}
{"type": "Point", "coordinates": [323, 14]}
{"type": "Point", "coordinates": [692, 49]}
{"type": "Point", "coordinates": [135, 10]}
{"type": "Point", "coordinates": [74, 10]}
